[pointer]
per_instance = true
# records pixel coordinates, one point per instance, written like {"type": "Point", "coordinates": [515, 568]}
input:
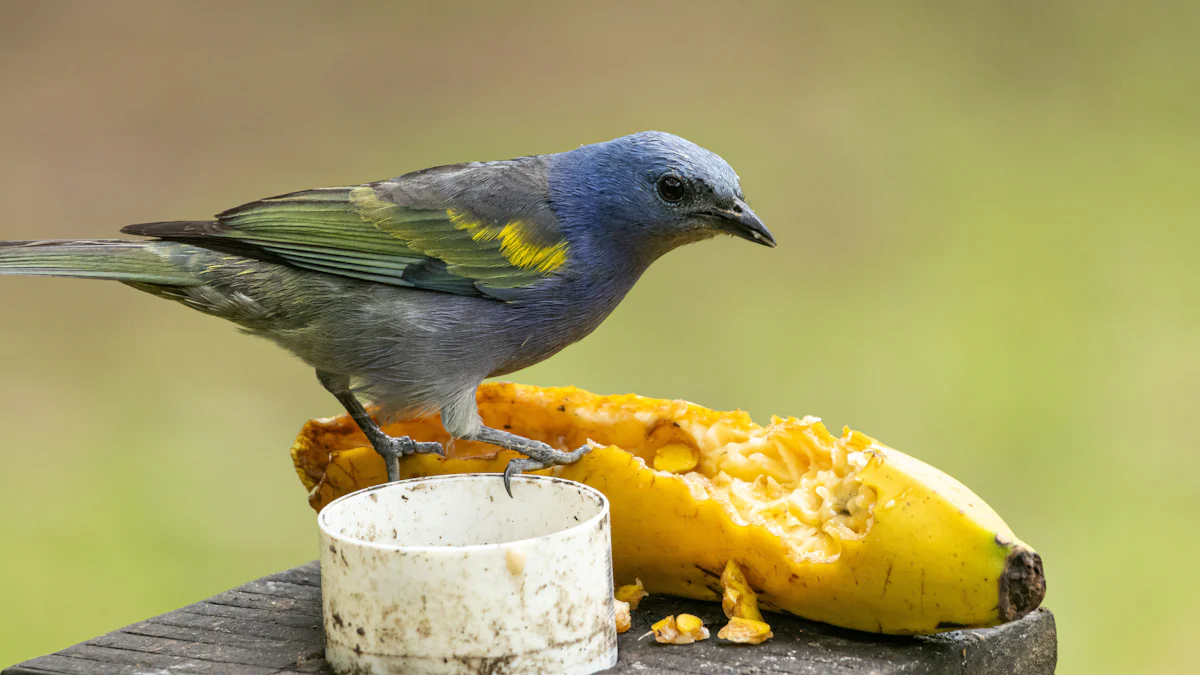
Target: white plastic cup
{"type": "Point", "coordinates": [449, 575]}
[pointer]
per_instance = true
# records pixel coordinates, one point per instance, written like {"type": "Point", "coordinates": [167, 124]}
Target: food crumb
{"type": "Point", "coordinates": [623, 618]}
{"type": "Point", "coordinates": [746, 624]}
{"type": "Point", "coordinates": [679, 630]}
{"type": "Point", "coordinates": [746, 631]}
{"type": "Point", "coordinates": [632, 593]}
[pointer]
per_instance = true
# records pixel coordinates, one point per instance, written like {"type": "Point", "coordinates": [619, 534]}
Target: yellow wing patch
{"type": "Point", "coordinates": [516, 245]}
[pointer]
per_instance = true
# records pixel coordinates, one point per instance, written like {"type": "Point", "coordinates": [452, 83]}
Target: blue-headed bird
{"type": "Point", "coordinates": [409, 292]}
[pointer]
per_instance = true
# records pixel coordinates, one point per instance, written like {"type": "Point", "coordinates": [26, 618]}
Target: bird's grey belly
{"type": "Point", "coordinates": [406, 348]}
{"type": "Point", "coordinates": [412, 351]}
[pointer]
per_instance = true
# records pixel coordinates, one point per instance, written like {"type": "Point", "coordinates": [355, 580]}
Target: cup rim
{"type": "Point", "coordinates": [588, 523]}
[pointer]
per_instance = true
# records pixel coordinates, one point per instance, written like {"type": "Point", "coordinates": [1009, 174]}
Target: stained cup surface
{"type": "Point", "coordinates": [448, 574]}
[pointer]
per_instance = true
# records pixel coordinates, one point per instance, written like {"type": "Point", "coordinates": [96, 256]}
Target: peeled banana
{"type": "Point", "coordinates": [843, 530]}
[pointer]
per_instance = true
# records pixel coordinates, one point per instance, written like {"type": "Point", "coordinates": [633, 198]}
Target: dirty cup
{"type": "Point", "coordinates": [449, 575]}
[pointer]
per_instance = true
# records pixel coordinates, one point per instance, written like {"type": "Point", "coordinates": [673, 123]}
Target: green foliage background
{"type": "Point", "coordinates": [987, 220]}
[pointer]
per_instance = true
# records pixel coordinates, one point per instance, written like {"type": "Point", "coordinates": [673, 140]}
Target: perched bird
{"type": "Point", "coordinates": [409, 292]}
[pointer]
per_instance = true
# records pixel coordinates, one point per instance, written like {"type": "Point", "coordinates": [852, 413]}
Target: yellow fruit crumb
{"type": "Point", "coordinates": [623, 618]}
{"type": "Point", "coordinates": [689, 623]}
{"type": "Point", "coordinates": [739, 599]}
{"type": "Point", "coordinates": [746, 623]}
{"type": "Point", "coordinates": [632, 593]}
{"type": "Point", "coordinates": [745, 631]}
{"type": "Point", "coordinates": [676, 458]}
{"type": "Point", "coordinates": [679, 630]}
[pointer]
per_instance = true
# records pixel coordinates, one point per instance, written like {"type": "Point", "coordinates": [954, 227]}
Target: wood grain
{"type": "Point", "coordinates": [273, 626]}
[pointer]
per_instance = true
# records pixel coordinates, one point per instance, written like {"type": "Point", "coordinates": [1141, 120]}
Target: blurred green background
{"type": "Point", "coordinates": [987, 223]}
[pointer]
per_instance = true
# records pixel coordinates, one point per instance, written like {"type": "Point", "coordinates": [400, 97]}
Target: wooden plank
{"type": "Point", "coordinates": [241, 626]}
{"type": "Point", "coordinates": [239, 598]}
{"type": "Point", "coordinates": [101, 660]}
{"type": "Point", "coordinates": [197, 650]}
{"type": "Point", "coordinates": [150, 628]}
{"type": "Point", "coordinates": [1026, 647]}
{"type": "Point", "coordinates": [262, 615]}
{"type": "Point", "coordinates": [671, 659]}
{"type": "Point", "coordinates": [308, 574]}
{"type": "Point", "coordinates": [54, 663]}
{"type": "Point", "coordinates": [318, 665]}
{"type": "Point", "coordinates": [304, 593]}
{"type": "Point", "coordinates": [158, 661]}
{"type": "Point", "coordinates": [273, 625]}
{"type": "Point", "coordinates": [65, 665]}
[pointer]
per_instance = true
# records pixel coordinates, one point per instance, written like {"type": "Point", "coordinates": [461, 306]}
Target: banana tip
{"type": "Point", "coordinates": [1022, 584]}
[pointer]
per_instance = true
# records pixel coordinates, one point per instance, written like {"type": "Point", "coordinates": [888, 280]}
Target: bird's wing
{"type": "Point", "coordinates": [453, 243]}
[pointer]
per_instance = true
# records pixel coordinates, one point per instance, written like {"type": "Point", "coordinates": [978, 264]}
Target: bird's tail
{"type": "Point", "coordinates": [149, 262]}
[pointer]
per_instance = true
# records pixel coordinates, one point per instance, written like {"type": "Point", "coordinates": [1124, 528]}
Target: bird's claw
{"type": "Point", "coordinates": [540, 459]}
{"type": "Point", "coordinates": [430, 448]}
{"type": "Point", "coordinates": [516, 467]}
{"type": "Point", "coordinates": [403, 446]}
{"type": "Point", "coordinates": [396, 447]}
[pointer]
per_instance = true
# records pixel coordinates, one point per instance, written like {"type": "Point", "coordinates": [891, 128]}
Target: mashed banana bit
{"type": "Point", "coordinates": [794, 478]}
{"type": "Point", "coordinates": [624, 620]}
{"type": "Point", "coordinates": [679, 630]}
{"type": "Point", "coordinates": [737, 598]}
{"type": "Point", "coordinates": [632, 594]}
{"type": "Point", "coordinates": [745, 631]}
{"type": "Point", "coordinates": [746, 624]}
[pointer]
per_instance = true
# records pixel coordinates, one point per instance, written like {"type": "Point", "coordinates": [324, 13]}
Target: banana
{"type": "Point", "coordinates": [843, 530]}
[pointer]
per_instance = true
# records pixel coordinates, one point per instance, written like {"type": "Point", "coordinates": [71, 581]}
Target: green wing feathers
{"type": "Point", "coordinates": [120, 260]}
{"type": "Point", "coordinates": [496, 255]}
{"type": "Point", "coordinates": [353, 232]}
{"type": "Point", "coordinates": [318, 219]}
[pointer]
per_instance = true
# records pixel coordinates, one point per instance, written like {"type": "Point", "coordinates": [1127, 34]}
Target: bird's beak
{"type": "Point", "coordinates": [740, 221]}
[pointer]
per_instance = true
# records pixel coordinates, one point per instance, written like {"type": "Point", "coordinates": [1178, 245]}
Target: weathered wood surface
{"type": "Point", "coordinates": [273, 625]}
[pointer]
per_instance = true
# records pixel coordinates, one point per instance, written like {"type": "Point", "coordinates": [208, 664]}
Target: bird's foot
{"type": "Point", "coordinates": [542, 457]}
{"type": "Point", "coordinates": [538, 455]}
{"type": "Point", "coordinates": [392, 448]}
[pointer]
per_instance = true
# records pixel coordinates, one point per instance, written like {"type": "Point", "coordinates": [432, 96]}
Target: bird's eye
{"type": "Point", "coordinates": [671, 188]}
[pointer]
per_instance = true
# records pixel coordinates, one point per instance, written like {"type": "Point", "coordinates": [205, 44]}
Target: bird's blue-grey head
{"type": "Point", "coordinates": [653, 191]}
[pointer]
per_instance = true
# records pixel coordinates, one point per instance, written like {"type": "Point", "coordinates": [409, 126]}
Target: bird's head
{"type": "Point", "coordinates": [655, 190]}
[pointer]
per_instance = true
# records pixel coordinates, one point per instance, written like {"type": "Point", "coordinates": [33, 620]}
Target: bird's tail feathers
{"type": "Point", "coordinates": [150, 262]}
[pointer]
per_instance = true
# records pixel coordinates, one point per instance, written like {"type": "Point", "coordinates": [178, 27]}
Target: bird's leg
{"type": "Point", "coordinates": [391, 448]}
{"type": "Point", "coordinates": [538, 455]}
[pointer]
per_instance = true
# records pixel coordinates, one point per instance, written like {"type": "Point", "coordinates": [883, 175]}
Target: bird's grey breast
{"type": "Point", "coordinates": [510, 199]}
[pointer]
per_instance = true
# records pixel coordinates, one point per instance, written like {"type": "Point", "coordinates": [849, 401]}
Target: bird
{"type": "Point", "coordinates": [408, 292]}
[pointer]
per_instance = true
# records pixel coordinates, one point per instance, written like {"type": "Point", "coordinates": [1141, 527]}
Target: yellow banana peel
{"type": "Point", "coordinates": [843, 530]}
